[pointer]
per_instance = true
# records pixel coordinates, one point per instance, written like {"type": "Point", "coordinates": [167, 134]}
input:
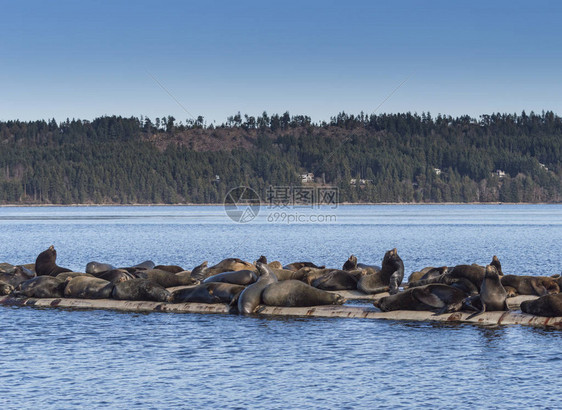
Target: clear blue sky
{"type": "Point", "coordinates": [82, 59]}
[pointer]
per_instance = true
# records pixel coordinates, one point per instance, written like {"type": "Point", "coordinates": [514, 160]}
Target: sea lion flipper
{"type": "Point", "coordinates": [395, 281]}
{"type": "Point", "coordinates": [478, 313]}
{"type": "Point", "coordinates": [428, 298]}
{"type": "Point", "coordinates": [539, 289]}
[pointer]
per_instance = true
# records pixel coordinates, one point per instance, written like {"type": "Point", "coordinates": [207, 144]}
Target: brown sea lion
{"type": "Point", "coordinates": [250, 298]}
{"type": "Point", "coordinates": [41, 287]}
{"type": "Point", "coordinates": [350, 263]}
{"type": "Point", "coordinates": [294, 293]}
{"type": "Point", "coordinates": [338, 280]}
{"type": "Point", "coordinates": [16, 275]}
{"type": "Point", "coordinates": [45, 264]}
{"type": "Point", "coordinates": [164, 278]}
{"type": "Point", "coordinates": [116, 275]}
{"type": "Point", "coordinates": [493, 296]}
{"type": "Point", "coordinates": [549, 306]}
{"type": "Point", "coordinates": [212, 292]}
{"type": "Point", "coordinates": [427, 273]}
{"type": "Point", "coordinates": [240, 277]}
{"type": "Point", "coordinates": [5, 288]}
{"type": "Point", "coordinates": [466, 277]}
{"type": "Point", "coordinates": [170, 268]}
{"type": "Point", "coordinates": [298, 265]}
{"type": "Point", "coordinates": [531, 285]}
{"type": "Point", "coordinates": [140, 289]}
{"type": "Point", "coordinates": [67, 275]}
{"type": "Point", "coordinates": [96, 268]}
{"type": "Point", "coordinates": [87, 287]}
{"type": "Point", "coordinates": [436, 296]}
{"type": "Point", "coordinates": [388, 279]}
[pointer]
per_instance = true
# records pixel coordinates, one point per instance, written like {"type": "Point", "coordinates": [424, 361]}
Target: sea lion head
{"type": "Point", "coordinates": [496, 262]}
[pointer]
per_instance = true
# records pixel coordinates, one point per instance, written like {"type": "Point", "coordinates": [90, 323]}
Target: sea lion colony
{"type": "Point", "coordinates": [244, 286]}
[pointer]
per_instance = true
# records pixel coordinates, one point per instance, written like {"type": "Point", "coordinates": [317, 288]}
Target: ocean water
{"type": "Point", "coordinates": [52, 358]}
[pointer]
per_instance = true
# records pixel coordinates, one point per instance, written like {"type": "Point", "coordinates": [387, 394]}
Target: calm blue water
{"type": "Point", "coordinates": [62, 359]}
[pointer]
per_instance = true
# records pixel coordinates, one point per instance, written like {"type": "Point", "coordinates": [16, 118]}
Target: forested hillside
{"type": "Point", "coordinates": [375, 158]}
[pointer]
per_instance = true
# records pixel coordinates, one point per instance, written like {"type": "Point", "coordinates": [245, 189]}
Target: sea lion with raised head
{"type": "Point", "coordinates": [294, 293]}
{"type": "Point", "coordinates": [41, 287]}
{"type": "Point", "coordinates": [250, 298]}
{"type": "Point", "coordinates": [350, 263]}
{"type": "Point", "coordinates": [87, 287]}
{"type": "Point", "coordinates": [492, 296]}
{"type": "Point", "coordinates": [388, 279]}
{"type": "Point", "coordinates": [140, 289]}
{"type": "Point", "coordinates": [548, 306]}
{"type": "Point", "coordinates": [45, 264]}
{"type": "Point", "coordinates": [436, 296]}
{"type": "Point", "coordinates": [239, 277]}
{"type": "Point", "coordinates": [531, 285]}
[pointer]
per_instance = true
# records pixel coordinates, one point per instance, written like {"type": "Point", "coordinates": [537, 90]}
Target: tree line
{"type": "Point", "coordinates": [369, 158]}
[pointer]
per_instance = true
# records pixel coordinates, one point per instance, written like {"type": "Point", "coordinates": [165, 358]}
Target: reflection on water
{"type": "Point", "coordinates": [65, 359]}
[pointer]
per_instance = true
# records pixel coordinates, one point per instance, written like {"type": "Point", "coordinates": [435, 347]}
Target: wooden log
{"type": "Point", "coordinates": [369, 312]}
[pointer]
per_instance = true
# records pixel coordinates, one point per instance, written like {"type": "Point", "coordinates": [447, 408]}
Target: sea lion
{"type": "Point", "coordinates": [427, 273]}
{"type": "Point", "coordinates": [548, 305]}
{"type": "Point", "coordinates": [140, 289]}
{"type": "Point", "coordinates": [163, 278]}
{"type": "Point", "coordinates": [531, 285]}
{"type": "Point", "coordinates": [294, 293]}
{"type": "Point", "coordinates": [87, 287]}
{"type": "Point", "coordinates": [45, 264]}
{"type": "Point", "coordinates": [116, 275]}
{"type": "Point", "coordinates": [466, 277]}
{"type": "Point", "coordinates": [41, 287]}
{"type": "Point", "coordinates": [350, 263]}
{"type": "Point", "coordinates": [493, 296]}
{"type": "Point", "coordinates": [429, 297]}
{"type": "Point", "coordinates": [275, 265]}
{"type": "Point", "coordinates": [95, 268]}
{"type": "Point", "coordinates": [66, 275]}
{"type": "Point", "coordinates": [239, 277]}
{"type": "Point", "coordinates": [298, 265]}
{"type": "Point", "coordinates": [261, 259]}
{"type": "Point", "coordinates": [286, 274]}
{"type": "Point", "coordinates": [229, 265]}
{"type": "Point", "coordinates": [16, 275]}
{"type": "Point", "coordinates": [250, 298]}
{"type": "Point", "coordinates": [200, 272]}
{"type": "Point", "coordinates": [338, 280]}
{"type": "Point", "coordinates": [5, 288]}
{"type": "Point", "coordinates": [212, 292]}
{"type": "Point", "coordinates": [388, 279]}
{"type": "Point", "coordinates": [170, 268]}
{"type": "Point", "coordinates": [146, 265]}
